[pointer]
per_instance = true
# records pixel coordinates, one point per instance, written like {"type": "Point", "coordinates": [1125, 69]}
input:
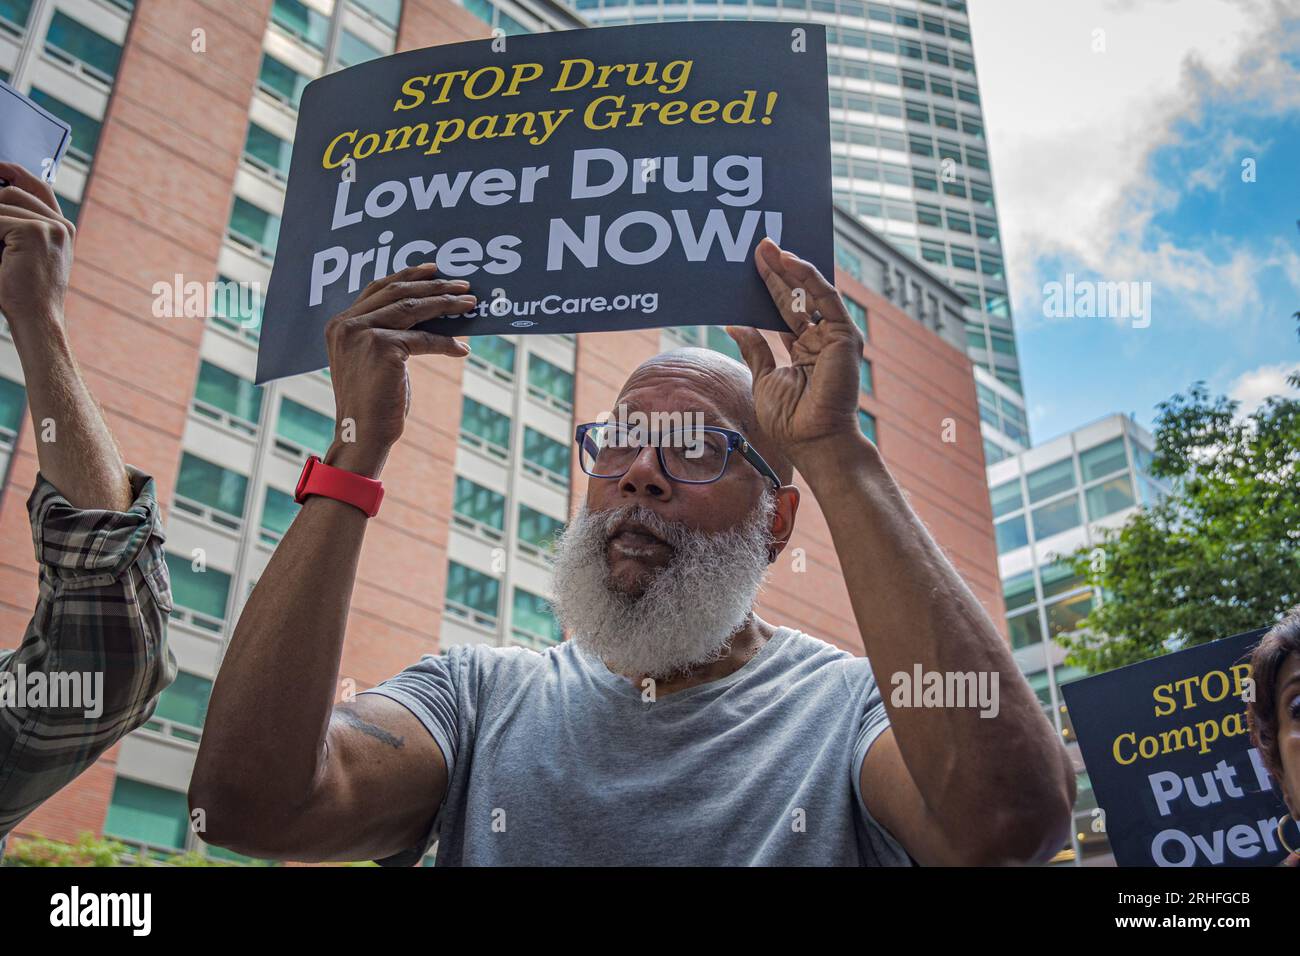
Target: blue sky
{"type": "Point", "coordinates": [1117, 130]}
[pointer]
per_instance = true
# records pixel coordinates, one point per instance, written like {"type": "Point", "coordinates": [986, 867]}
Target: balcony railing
{"type": "Point", "coordinates": [484, 445]}
{"type": "Point", "coordinates": [214, 517]}
{"type": "Point", "coordinates": [225, 419]}
{"type": "Point", "coordinates": [174, 730]}
{"type": "Point", "coordinates": [479, 528]}
{"type": "Point", "coordinates": [465, 613]}
{"type": "Point", "coordinates": [197, 619]}
{"type": "Point", "coordinates": [537, 471]}
{"type": "Point", "coordinates": [78, 67]}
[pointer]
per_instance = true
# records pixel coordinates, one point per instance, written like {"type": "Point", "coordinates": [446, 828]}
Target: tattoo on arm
{"type": "Point", "coordinates": [345, 713]}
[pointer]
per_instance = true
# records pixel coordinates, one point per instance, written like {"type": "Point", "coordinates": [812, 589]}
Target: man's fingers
{"type": "Point", "coordinates": [410, 311]}
{"type": "Point", "coordinates": [20, 177]}
{"type": "Point", "coordinates": [407, 289]}
{"type": "Point", "coordinates": [417, 342]}
{"type": "Point", "coordinates": [425, 270]}
{"type": "Point", "coordinates": [754, 348]}
{"type": "Point", "coordinates": [798, 320]}
{"type": "Point", "coordinates": [15, 218]}
{"type": "Point", "coordinates": [802, 274]}
{"type": "Point", "coordinates": [21, 198]}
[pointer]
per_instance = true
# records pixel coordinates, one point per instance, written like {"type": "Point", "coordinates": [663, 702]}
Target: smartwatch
{"type": "Point", "coordinates": [318, 478]}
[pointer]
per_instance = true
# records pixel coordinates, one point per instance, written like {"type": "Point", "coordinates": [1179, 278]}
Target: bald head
{"type": "Point", "coordinates": [721, 384]}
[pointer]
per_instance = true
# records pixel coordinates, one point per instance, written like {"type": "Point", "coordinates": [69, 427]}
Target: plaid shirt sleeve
{"type": "Point", "coordinates": [97, 641]}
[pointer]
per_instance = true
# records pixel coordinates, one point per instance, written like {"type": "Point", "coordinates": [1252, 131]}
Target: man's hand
{"type": "Point", "coordinates": [36, 256]}
{"type": "Point", "coordinates": [368, 348]}
{"type": "Point", "coordinates": [813, 402]}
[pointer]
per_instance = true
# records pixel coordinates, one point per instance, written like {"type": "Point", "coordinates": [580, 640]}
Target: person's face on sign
{"type": "Point", "coordinates": [1288, 729]}
{"type": "Point", "coordinates": [688, 387]}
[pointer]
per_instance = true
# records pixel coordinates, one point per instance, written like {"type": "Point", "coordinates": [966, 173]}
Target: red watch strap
{"type": "Point", "coordinates": [318, 478]}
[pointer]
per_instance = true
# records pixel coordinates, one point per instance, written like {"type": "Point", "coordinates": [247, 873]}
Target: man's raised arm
{"type": "Point", "coordinates": [281, 772]}
{"type": "Point", "coordinates": [953, 786]}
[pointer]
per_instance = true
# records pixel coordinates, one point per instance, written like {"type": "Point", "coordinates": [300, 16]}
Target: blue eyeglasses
{"type": "Point", "coordinates": [693, 456]}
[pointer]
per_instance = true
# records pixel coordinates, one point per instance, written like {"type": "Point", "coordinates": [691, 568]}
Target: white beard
{"type": "Point", "coordinates": [690, 609]}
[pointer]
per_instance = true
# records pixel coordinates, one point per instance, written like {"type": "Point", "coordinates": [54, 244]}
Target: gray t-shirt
{"type": "Point", "coordinates": [553, 759]}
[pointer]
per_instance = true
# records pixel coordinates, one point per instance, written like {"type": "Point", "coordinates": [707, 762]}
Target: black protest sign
{"type": "Point", "coordinates": [1169, 755]}
{"type": "Point", "coordinates": [585, 180]}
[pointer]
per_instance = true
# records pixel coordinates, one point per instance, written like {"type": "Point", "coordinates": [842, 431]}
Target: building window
{"type": "Point", "coordinates": [211, 491]}
{"type": "Point", "coordinates": [479, 424]}
{"type": "Point", "coordinates": [537, 529]}
{"type": "Point", "coordinates": [1052, 480]}
{"type": "Point", "coordinates": [305, 427]}
{"type": "Point", "coordinates": [267, 151]}
{"type": "Point", "coordinates": [1059, 578]}
{"type": "Point", "coordinates": [483, 506]}
{"type": "Point", "coordinates": [1103, 460]}
{"type": "Point", "coordinates": [532, 615]}
{"type": "Point", "coordinates": [73, 41]}
{"type": "Point", "coordinates": [847, 261]}
{"type": "Point", "coordinates": [864, 377]}
{"type": "Point", "coordinates": [1066, 615]}
{"type": "Point", "coordinates": [1056, 518]}
{"type": "Point", "coordinates": [387, 11]}
{"type": "Point", "coordinates": [496, 350]}
{"type": "Point", "coordinates": [202, 592]}
{"type": "Point", "coordinates": [1025, 629]}
{"type": "Point", "coordinates": [1006, 498]}
{"type": "Point", "coordinates": [281, 81]}
{"type": "Point", "coordinates": [278, 511]}
{"type": "Point", "coordinates": [354, 50]}
{"type": "Point", "coordinates": [14, 14]}
{"type": "Point", "coordinates": [867, 423]}
{"type": "Point", "coordinates": [302, 22]}
{"type": "Point", "coordinates": [548, 380]}
{"type": "Point", "coordinates": [13, 402]}
{"type": "Point", "coordinates": [858, 313]}
{"type": "Point", "coordinates": [1011, 534]}
{"type": "Point", "coordinates": [184, 702]}
{"type": "Point", "coordinates": [227, 398]}
{"type": "Point", "coordinates": [253, 226]}
{"type": "Point", "coordinates": [142, 813]}
{"type": "Point", "coordinates": [546, 453]}
{"type": "Point", "coordinates": [1110, 496]}
{"type": "Point", "coordinates": [1003, 344]}
{"type": "Point", "coordinates": [474, 594]}
{"type": "Point", "coordinates": [1018, 590]}
{"type": "Point", "coordinates": [236, 308]}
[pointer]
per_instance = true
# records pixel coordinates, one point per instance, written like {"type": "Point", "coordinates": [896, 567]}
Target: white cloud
{"type": "Point", "coordinates": [1254, 387]}
{"type": "Point", "coordinates": [1072, 131]}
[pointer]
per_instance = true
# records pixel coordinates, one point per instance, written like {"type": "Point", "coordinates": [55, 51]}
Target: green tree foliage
{"type": "Point", "coordinates": [90, 850]}
{"type": "Point", "coordinates": [1219, 556]}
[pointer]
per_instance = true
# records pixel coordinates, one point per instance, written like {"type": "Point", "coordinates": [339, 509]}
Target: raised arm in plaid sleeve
{"type": "Point", "coordinates": [101, 626]}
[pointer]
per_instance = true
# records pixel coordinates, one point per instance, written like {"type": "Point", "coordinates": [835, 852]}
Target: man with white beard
{"type": "Point", "coordinates": [676, 727]}
{"type": "Point", "coordinates": [688, 612]}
